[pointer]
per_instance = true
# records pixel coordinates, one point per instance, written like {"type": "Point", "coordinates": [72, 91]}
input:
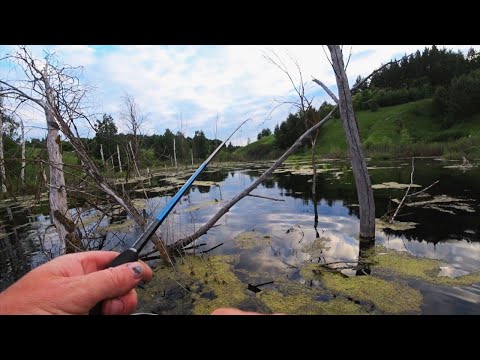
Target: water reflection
{"type": "Point", "coordinates": [330, 217]}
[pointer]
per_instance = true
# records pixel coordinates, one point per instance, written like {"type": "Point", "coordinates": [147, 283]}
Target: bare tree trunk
{"type": "Point", "coordinates": [174, 153]}
{"type": "Point", "coordinates": [119, 159]}
{"type": "Point", "coordinates": [3, 176]}
{"type": "Point", "coordinates": [359, 165]}
{"type": "Point", "coordinates": [22, 139]}
{"type": "Point", "coordinates": [191, 153]}
{"type": "Point", "coordinates": [103, 158]}
{"type": "Point", "coordinates": [314, 190]}
{"type": "Point", "coordinates": [134, 159]}
{"type": "Point", "coordinates": [314, 168]}
{"type": "Point", "coordinates": [44, 175]}
{"type": "Point", "coordinates": [58, 194]}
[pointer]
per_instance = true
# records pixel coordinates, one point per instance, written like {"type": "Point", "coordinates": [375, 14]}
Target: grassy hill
{"type": "Point", "coordinates": [261, 149]}
{"type": "Point", "coordinates": [403, 130]}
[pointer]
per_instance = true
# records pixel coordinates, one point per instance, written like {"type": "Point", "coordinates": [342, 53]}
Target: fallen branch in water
{"type": "Point", "coordinates": [406, 192]}
{"type": "Point", "coordinates": [194, 247]}
{"type": "Point", "coordinates": [407, 197]}
{"type": "Point", "coordinates": [421, 191]}
{"type": "Point", "coordinates": [216, 246]}
{"type": "Point", "coordinates": [265, 197]}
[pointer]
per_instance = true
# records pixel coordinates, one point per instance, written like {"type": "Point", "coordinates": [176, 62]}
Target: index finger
{"type": "Point", "coordinates": [98, 260]}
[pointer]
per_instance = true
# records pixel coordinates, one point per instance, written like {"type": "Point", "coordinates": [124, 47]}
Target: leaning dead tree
{"type": "Point", "coordinates": [59, 94]}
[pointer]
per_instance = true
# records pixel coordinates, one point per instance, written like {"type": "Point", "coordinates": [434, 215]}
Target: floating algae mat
{"type": "Point", "coordinates": [251, 239]}
{"type": "Point", "coordinates": [403, 264]}
{"type": "Point", "coordinates": [196, 182]}
{"type": "Point", "coordinates": [158, 189]}
{"type": "Point", "coordinates": [306, 170]}
{"type": "Point", "coordinates": [317, 247]}
{"type": "Point", "coordinates": [123, 227]}
{"type": "Point", "coordinates": [305, 304]}
{"type": "Point", "coordinates": [443, 203]}
{"type": "Point", "coordinates": [393, 185]}
{"type": "Point", "coordinates": [200, 206]}
{"type": "Point", "coordinates": [394, 297]}
{"type": "Point", "coordinates": [201, 284]}
{"type": "Point", "coordinates": [396, 225]}
{"type": "Point", "coordinates": [387, 296]}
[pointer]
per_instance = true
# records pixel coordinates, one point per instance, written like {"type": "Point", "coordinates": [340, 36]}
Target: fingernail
{"type": "Point", "coordinates": [137, 270]}
{"type": "Point", "coordinates": [115, 307]}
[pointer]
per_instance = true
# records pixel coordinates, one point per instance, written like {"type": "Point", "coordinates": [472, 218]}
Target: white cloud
{"type": "Point", "coordinates": [198, 82]}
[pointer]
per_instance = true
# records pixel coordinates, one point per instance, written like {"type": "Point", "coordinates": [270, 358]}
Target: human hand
{"type": "Point", "coordinates": [233, 311]}
{"type": "Point", "coordinates": [75, 283]}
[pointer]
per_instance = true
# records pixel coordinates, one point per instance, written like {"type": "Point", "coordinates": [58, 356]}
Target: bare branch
{"type": "Point", "coordinates": [327, 90]}
{"type": "Point", "coordinates": [21, 93]}
{"type": "Point", "coordinates": [406, 192]}
{"type": "Point", "coordinates": [423, 190]}
{"type": "Point", "coordinates": [349, 56]}
{"type": "Point", "coordinates": [357, 86]}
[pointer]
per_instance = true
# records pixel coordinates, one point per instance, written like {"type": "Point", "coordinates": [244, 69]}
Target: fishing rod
{"type": "Point", "coordinates": [131, 254]}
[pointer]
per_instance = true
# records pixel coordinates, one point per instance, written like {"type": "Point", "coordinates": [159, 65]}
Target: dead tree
{"type": "Point", "coordinates": [22, 144]}
{"type": "Point", "coordinates": [62, 107]}
{"type": "Point", "coordinates": [47, 87]}
{"type": "Point", "coordinates": [174, 152]}
{"type": "Point", "coordinates": [132, 118]}
{"type": "Point", "coordinates": [359, 165]}
{"type": "Point", "coordinates": [103, 157]}
{"type": "Point", "coordinates": [307, 112]}
{"type": "Point", "coordinates": [119, 159]}
{"type": "Point", "coordinates": [3, 176]}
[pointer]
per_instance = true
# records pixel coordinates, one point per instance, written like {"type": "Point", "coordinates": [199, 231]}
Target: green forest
{"type": "Point", "coordinates": [424, 104]}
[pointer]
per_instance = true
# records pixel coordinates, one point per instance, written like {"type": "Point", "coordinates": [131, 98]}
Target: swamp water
{"type": "Point", "coordinates": [427, 262]}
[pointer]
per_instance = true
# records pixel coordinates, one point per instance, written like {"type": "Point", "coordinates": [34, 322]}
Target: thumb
{"type": "Point", "coordinates": [113, 282]}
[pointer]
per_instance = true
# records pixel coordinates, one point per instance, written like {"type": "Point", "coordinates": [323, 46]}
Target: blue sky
{"type": "Point", "coordinates": [197, 83]}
